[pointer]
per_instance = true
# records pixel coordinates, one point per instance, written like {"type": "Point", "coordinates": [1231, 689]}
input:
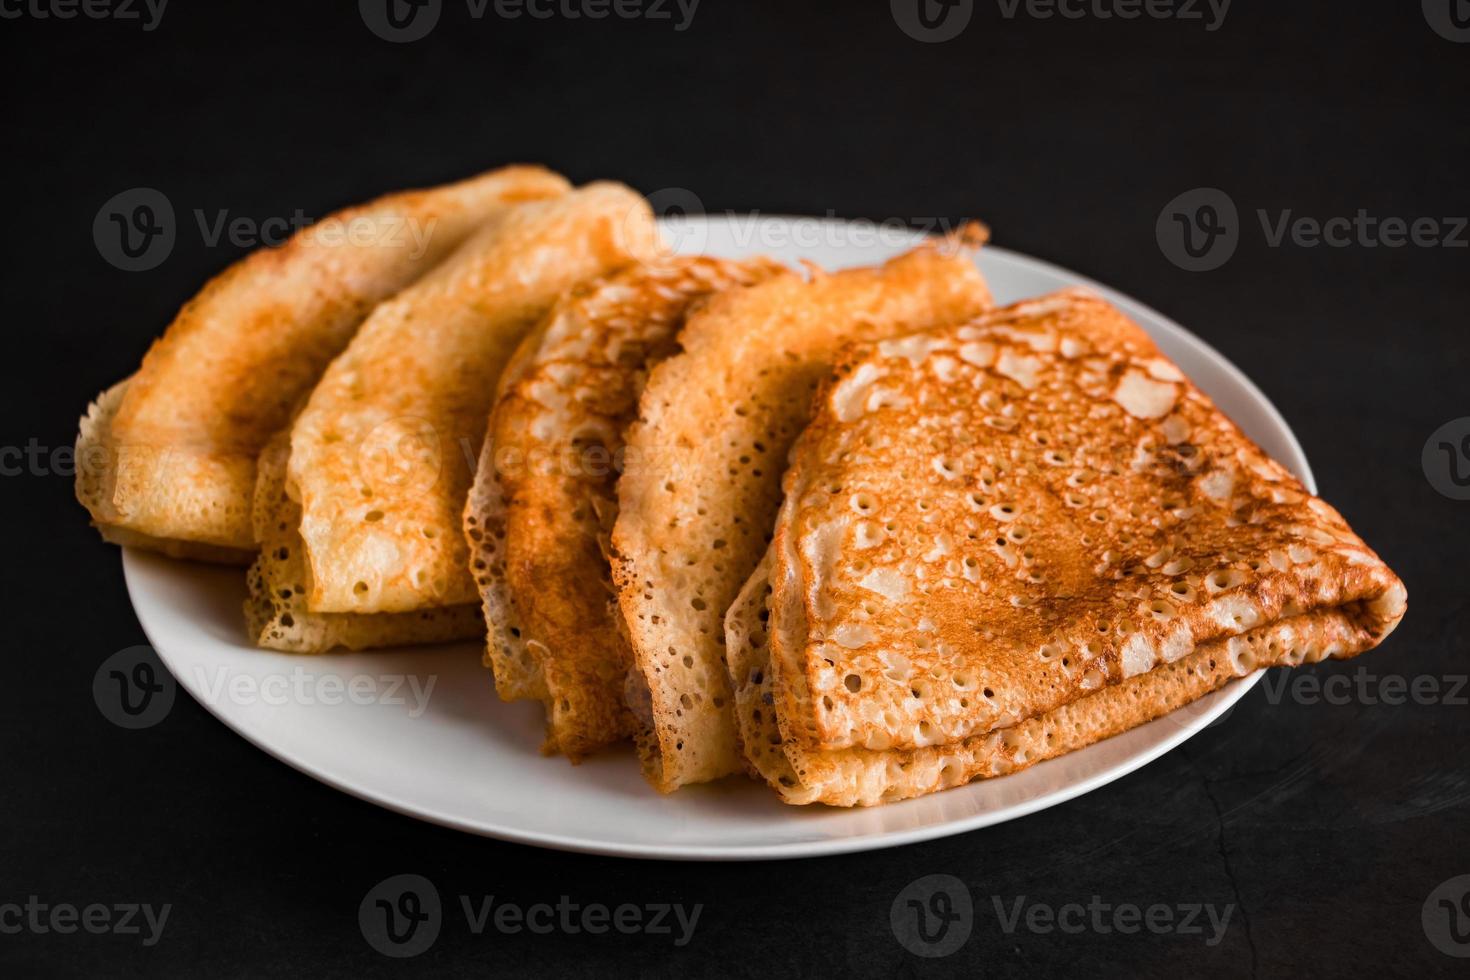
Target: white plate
{"type": "Point", "coordinates": [469, 761]}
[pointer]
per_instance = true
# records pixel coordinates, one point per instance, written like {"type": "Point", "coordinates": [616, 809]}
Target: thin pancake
{"type": "Point", "coordinates": [865, 777]}
{"type": "Point", "coordinates": [985, 524]}
{"type": "Point", "coordinates": [98, 467]}
{"type": "Point", "coordinates": [169, 454]}
{"type": "Point", "coordinates": [714, 426]}
{"type": "Point", "coordinates": [381, 455]}
{"type": "Point", "coordinates": [276, 615]}
{"type": "Point", "coordinates": [544, 502]}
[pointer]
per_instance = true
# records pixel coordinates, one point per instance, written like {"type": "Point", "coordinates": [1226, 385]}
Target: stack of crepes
{"type": "Point", "coordinates": [318, 408]}
{"type": "Point", "coordinates": [662, 401]}
{"type": "Point", "coordinates": [1003, 534]}
{"type": "Point", "coordinates": [1001, 539]}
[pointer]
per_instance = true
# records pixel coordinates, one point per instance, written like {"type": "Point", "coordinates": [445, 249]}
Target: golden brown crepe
{"type": "Point", "coordinates": [702, 487]}
{"type": "Point", "coordinates": [543, 502]}
{"type": "Point", "coordinates": [1007, 539]}
{"type": "Point", "coordinates": [382, 454]}
{"type": "Point", "coordinates": [276, 615]}
{"type": "Point", "coordinates": [167, 457]}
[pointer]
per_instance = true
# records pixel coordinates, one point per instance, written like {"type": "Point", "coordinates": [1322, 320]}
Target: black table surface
{"type": "Point", "coordinates": [1331, 830]}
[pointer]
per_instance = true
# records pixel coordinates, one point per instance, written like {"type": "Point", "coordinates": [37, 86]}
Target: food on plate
{"type": "Point", "coordinates": [167, 457]}
{"type": "Point", "coordinates": [1010, 538]}
{"type": "Point", "coordinates": [543, 502]}
{"type": "Point", "coordinates": [858, 534]}
{"type": "Point", "coordinates": [382, 454]}
{"type": "Point", "coordinates": [696, 503]}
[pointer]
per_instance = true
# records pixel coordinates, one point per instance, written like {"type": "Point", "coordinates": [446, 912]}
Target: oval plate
{"type": "Point", "coordinates": [421, 732]}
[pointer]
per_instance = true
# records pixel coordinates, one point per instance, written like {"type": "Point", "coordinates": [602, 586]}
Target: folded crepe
{"type": "Point", "coordinates": [702, 487]}
{"type": "Point", "coordinates": [543, 501]}
{"type": "Point", "coordinates": [166, 458]}
{"type": "Point", "coordinates": [276, 614]}
{"type": "Point", "coordinates": [1009, 539]}
{"type": "Point", "coordinates": [381, 455]}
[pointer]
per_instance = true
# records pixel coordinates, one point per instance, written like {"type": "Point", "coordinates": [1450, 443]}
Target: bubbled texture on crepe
{"type": "Point", "coordinates": [864, 777]}
{"type": "Point", "coordinates": [517, 672]}
{"type": "Point", "coordinates": [543, 501]}
{"type": "Point", "coordinates": [275, 613]}
{"type": "Point", "coordinates": [715, 423]}
{"type": "Point", "coordinates": [992, 520]}
{"type": "Point", "coordinates": [178, 453]}
{"type": "Point", "coordinates": [382, 455]}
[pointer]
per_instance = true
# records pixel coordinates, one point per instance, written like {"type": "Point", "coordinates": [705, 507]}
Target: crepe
{"type": "Point", "coordinates": [276, 615]}
{"type": "Point", "coordinates": [865, 777]}
{"type": "Point", "coordinates": [167, 457]}
{"type": "Point", "coordinates": [714, 426]}
{"type": "Point", "coordinates": [1004, 540]}
{"type": "Point", "coordinates": [543, 502]}
{"type": "Point", "coordinates": [382, 455]}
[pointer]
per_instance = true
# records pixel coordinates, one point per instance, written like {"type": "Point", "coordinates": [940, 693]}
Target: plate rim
{"type": "Point", "coordinates": [1222, 701]}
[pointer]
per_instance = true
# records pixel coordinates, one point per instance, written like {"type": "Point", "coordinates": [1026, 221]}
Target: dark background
{"type": "Point", "coordinates": [1328, 825]}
